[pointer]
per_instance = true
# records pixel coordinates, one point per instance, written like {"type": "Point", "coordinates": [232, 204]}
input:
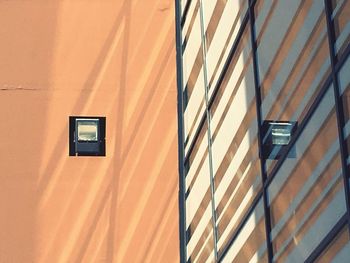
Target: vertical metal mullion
{"type": "Point", "coordinates": [212, 188]}
{"type": "Point", "coordinates": [338, 104]}
{"type": "Point", "coordinates": [181, 152]}
{"type": "Point", "coordinates": [260, 135]}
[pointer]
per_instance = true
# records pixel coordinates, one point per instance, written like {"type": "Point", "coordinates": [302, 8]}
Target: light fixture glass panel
{"type": "Point", "coordinates": [281, 133]}
{"type": "Point", "coordinates": [87, 129]}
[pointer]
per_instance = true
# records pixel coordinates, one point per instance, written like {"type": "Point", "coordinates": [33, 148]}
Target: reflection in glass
{"type": "Point", "coordinates": [237, 178]}
{"type": "Point", "coordinates": [341, 19]}
{"type": "Point", "coordinates": [198, 201]}
{"type": "Point", "coordinates": [307, 196]}
{"type": "Point", "coordinates": [250, 244]}
{"type": "Point", "coordinates": [294, 63]}
{"type": "Point", "coordinates": [344, 81]}
{"type": "Point", "coordinates": [338, 250]}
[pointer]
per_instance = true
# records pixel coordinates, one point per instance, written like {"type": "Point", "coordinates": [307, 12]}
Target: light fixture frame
{"type": "Point", "coordinates": [87, 147]}
{"type": "Point", "coordinates": [273, 150]}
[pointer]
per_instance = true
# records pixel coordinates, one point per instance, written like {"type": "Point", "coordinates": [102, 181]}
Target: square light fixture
{"type": "Point", "coordinates": [276, 136]}
{"type": "Point", "coordinates": [87, 136]}
{"type": "Point", "coordinates": [281, 133]}
{"type": "Point", "coordinates": [87, 130]}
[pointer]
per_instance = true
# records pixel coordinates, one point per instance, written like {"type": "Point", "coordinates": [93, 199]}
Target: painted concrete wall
{"type": "Point", "coordinates": [108, 58]}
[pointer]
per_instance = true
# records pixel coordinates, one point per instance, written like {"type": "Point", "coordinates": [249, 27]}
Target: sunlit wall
{"type": "Point", "coordinates": [88, 58]}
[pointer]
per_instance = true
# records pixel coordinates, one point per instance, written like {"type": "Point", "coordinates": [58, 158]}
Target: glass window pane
{"type": "Point", "coordinates": [307, 195]}
{"type": "Point", "coordinates": [201, 249]}
{"type": "Point", "coordinates": [194, 114]}
{"type": "Point", "coordinates": [250, 244]}
{"type": "Point", "coordinates": [193, 74]}
{"type": "Point", "coordinates": [190, 18]}
{"type": "Point", "coordinates": [236, 162]}
{"type": "Point", "coordinates": [204, 249]}
{"type": "Point", "coordinates": [192, 50]}
{"type": "Point", "coordinates": [341, 19]}
{"type": "Point", "coordinates": [221, 33]}
{"type": "Point", "coordinates": [344, 81]}
{"type": "Point", "coordinates": [198, 200]}
{"type": "Point", "coordinates": [338, 250]}
{"type": "Point", "coordinates": [197, 157]}
{"type": "Point", "coordinates": [293, 57]}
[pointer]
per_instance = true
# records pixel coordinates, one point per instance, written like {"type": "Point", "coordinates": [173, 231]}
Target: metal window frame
{"type": "Point", "coordinates": [180, 123]}
{"type": "Point", "coordinates": [260, 130]}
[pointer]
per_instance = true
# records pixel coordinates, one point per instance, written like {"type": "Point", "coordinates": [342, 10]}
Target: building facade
{"type": "Point", "coordinates": [264, 130]}
{"type": "Point", "coordinates": [110, 59]}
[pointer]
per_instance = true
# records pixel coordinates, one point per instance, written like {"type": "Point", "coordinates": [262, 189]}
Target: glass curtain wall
{"type": "Point", "coordinates": [244, 63]}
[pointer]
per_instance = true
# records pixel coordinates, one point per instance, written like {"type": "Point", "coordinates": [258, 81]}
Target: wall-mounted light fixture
{"type": "Point", "coordinates": [276, 136]}
{"type": "Point", "coordinates": [87, 136]}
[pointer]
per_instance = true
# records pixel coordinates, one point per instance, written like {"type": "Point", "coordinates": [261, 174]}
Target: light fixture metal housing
{"type": "Point", "coordinates": [87, 136]}
{"type": "Point", "coordinates": [276, 136]}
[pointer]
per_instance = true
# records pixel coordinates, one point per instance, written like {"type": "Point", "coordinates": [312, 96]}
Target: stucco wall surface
{"type": "Point", "coordinates": [108, 58]}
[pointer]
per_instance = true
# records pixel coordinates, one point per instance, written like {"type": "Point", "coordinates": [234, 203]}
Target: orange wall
{"type": "Point", "coordinates": [108, 58]}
